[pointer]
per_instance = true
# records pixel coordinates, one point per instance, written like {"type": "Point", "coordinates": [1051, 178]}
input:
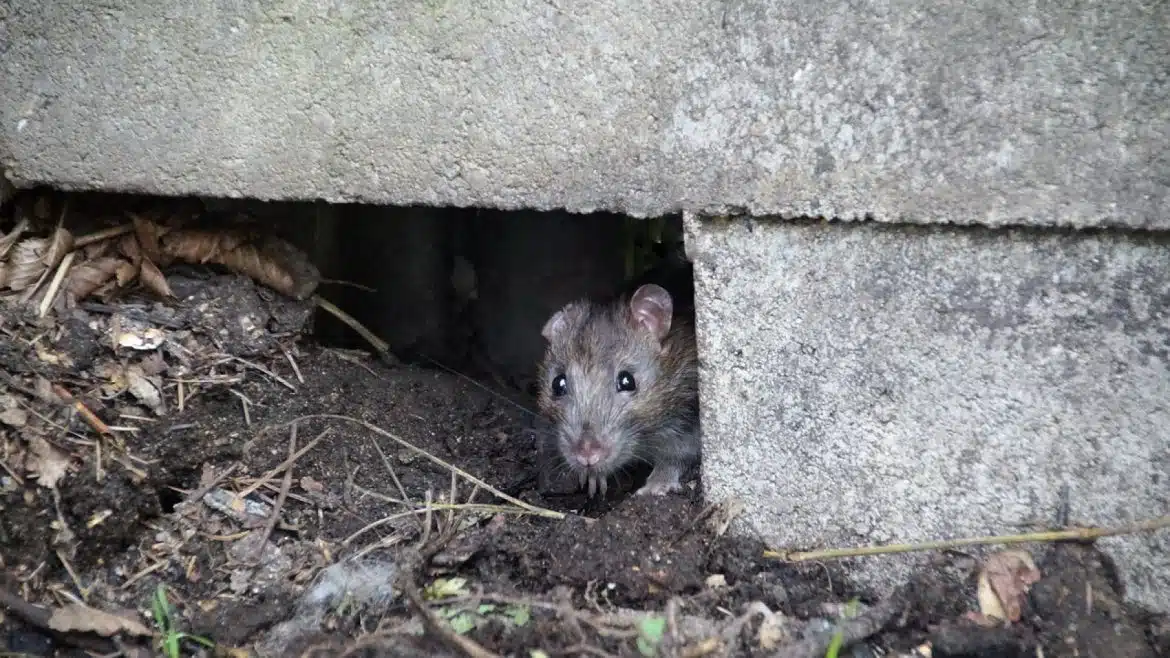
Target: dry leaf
{"type": "Point", "coordinates": [771, 633]}
{"type": "Point", "coordinates": [128, 245]}
{"type": "Point", "coordinates": [79, 617]}
{"type": "Point", "coordinates": [125, 273]}
{"type": "Point", "coordinates": [14, 417]}
{"type": "Point", "coordinates": [153, 364]}
{"type": "Point", "coordinates": [25, 265]}
{"type": "Point", "coordinates": [148, 390]}
{"type": "Point", "coordinates": [147, 234]}
{"type": "Point", "coordinates": [147, 338]}
{"type": "Point", "coordinates": [7, 241]}
{"type": "Point", "coordinates": [60, 244]}
{"type": "Point", "coordinates": [1003, 583]}
{"type": "Point", "coordinates": [273, 262]}
{"type": "Point", "coordinates": [44, 391]}
{"type": "Point", "coordinates": [96, 249]}
{"type": "Point", "coordinates": [153, 279]}
{"type": "Point", "coordinates": [47, 464]}
{"type": "Point", "coordinates": [723, 514]}
{"type": "Point", "coordinates": [87, 277]}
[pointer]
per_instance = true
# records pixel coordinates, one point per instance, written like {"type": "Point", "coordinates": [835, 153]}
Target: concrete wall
{"type": "Point", "coordinates": [905, 110]}
{"type": "Point", "coordinates": [868, 384]}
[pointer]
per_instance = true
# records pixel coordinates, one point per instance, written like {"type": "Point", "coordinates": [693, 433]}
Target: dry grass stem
{"type": "Point", "coordinates": [540, 511]}
{"type": "Point", "coordinates": [378, 344]}
{"type": "Point", "coordinates": [1082, 534]}
{"type": "Point", "coordinates": [285, 486]}
{"type": "Point", "coordinates": [256, 366]}
{"type": "Point", "coordinates": [272, 473]}
{"type": "Point", "coordinates": [55, 284]}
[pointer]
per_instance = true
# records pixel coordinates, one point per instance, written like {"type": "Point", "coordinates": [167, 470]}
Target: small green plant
{"type": "Point", "coordinates": [839, 637]}
{"type": "Point", "coordinates": [650, 632]}
{"type": "Point", "coordinates": [170, 638]}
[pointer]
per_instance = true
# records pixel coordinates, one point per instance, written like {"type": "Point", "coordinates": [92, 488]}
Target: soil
{"type": "Point", "coordinates": [366, 519]}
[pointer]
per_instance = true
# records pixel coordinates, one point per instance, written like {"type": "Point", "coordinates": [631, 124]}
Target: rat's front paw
{"type": "Point", "coordinates": [658, 488]}
{"type": "Point", "coordinates": [662, 480]}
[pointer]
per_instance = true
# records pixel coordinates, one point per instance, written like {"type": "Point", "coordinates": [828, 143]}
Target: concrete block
{"type": "Point", "coordinates": [868, 384]}
{"type": "Point", "coordinates": [986, 112]}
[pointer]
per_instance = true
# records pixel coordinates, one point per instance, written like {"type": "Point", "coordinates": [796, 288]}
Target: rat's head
{"type": "Point", "coordinates": [600, 378]}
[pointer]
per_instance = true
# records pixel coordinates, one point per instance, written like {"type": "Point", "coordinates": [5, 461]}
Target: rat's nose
{"type": "Point", "coordinates": [591, 452]}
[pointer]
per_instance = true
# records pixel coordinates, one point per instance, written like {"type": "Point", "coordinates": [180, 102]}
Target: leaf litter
{"type": "Point", "coordinates": [159, 428]}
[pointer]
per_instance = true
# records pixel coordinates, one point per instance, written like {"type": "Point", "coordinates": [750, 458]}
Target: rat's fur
{"type": "Point", "coordinates": [590, 343]}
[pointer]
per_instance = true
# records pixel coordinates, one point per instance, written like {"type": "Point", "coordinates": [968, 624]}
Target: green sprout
{"type": "Point", "coordinates": [839, 637]}
{"type": "Point", "coordinates": [650, 632]}
{"type": "Point", "coordinates": [171, 638]}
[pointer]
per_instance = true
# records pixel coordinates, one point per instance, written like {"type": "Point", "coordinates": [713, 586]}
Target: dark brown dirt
{"type": "Point", "coordinates": [124, 520]}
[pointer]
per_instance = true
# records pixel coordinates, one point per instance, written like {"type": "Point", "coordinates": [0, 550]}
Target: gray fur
{"type": "Point", "coordinates": [591, 343]}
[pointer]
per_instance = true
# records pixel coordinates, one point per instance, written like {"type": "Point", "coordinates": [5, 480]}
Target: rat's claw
{"type": "Point", "coordinates": [582, 478]}
{"type": "Point", "coordinates": [592, 485]}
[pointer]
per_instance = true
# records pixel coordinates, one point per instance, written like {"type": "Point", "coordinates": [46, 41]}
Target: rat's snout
{"type": "Point", "coordinates": [589, 451]}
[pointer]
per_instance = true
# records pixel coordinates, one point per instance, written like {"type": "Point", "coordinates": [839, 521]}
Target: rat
{"type": "Point", "coordinates": [620, 383]}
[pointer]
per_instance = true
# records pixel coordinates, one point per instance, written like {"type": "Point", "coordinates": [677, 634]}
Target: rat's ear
{"type": "Point", "coordinates": [560, 321]}
{"type": "Point", "coordinates": [652, 309]}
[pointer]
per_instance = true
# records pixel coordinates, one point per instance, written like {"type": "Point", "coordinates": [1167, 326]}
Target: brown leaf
{"type": "Point", "coordinates": [7, 241]}
{"type": "Point", "coordinates": [98, 249]}
{"type": "Point", "coordinates": [14, 417]}
{"type": "Point", "coordinates": [272, 261]}
{"type": "Point", "coordinates": [25, 265]}
{"type": "Point", "coordinates": [128, 245]}
{"type": "Point", "coordinates": [153, 279]}
{"type": "Point", "coordinates": [47, 464]}
{"type": "Point", "coordinates": [1003, 583]}
{"type": "Point", "coordinates": [44, 391]}
{"type": "Point", "coordinates": [125, 273]}
{"type": "Point", "coordinates": [60, 244]}
{"type": "Point", "coordinates": [146, 389]}
{"type": "Point", "coordinates": [80, 617]}
{"type": "Point", "coordinates": [148, 234]}
{"type": "Point", "coordinates": [87, 277]}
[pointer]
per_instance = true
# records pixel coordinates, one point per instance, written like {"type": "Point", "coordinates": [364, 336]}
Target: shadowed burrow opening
{"type": "Point", "coordinates": [190, 324]}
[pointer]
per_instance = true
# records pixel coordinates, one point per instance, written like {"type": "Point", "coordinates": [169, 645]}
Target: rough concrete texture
{"type": "Point", "coordinates": [987, 112]}
{"type": "Point", "coordinates": [873, 384]}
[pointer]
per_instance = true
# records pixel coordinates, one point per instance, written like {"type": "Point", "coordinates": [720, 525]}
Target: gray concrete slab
{"type": "Point", "coordinates": [904, 110]}
{"type": "Point", "coordinates": [868, 384]}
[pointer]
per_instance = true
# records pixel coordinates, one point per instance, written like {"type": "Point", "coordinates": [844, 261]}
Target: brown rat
{"type": "Point", "coordinates": [620, 383]}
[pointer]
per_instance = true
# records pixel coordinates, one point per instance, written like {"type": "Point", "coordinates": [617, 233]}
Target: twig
{"type": "Point", "coordinates": [449, 637]}
{"type": "Point", "coordinates": [390, 469]}
{"type": "Point", "coordinates": [467, 476]}
{"type": "Point", "coordinates": [277, 506]}
{"type": "Point", "coordinates": [55, 284]}
{"type": "Point", "coordinates": [1046, 536]}
{"type": "Point", "coordinates": [292, 362]}
{"type": "Point", "coordinates": [264, 370]}
{"type": "Point", "coordinates": [244, 404]}
{"type": "Point", "coordinates": [283, 465]}
{"type": "Point", "coordinates": [90, 417]}
{"type": "Point", "coordinates": [104, 234]}
{"type": "Point", "coordinates": [382, 346]}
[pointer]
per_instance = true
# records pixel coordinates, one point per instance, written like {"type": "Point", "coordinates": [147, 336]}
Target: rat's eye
{"type": "Point", "coordinates": [625, 382]}
{"type": "Point", "coordinates": [560, 386]}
